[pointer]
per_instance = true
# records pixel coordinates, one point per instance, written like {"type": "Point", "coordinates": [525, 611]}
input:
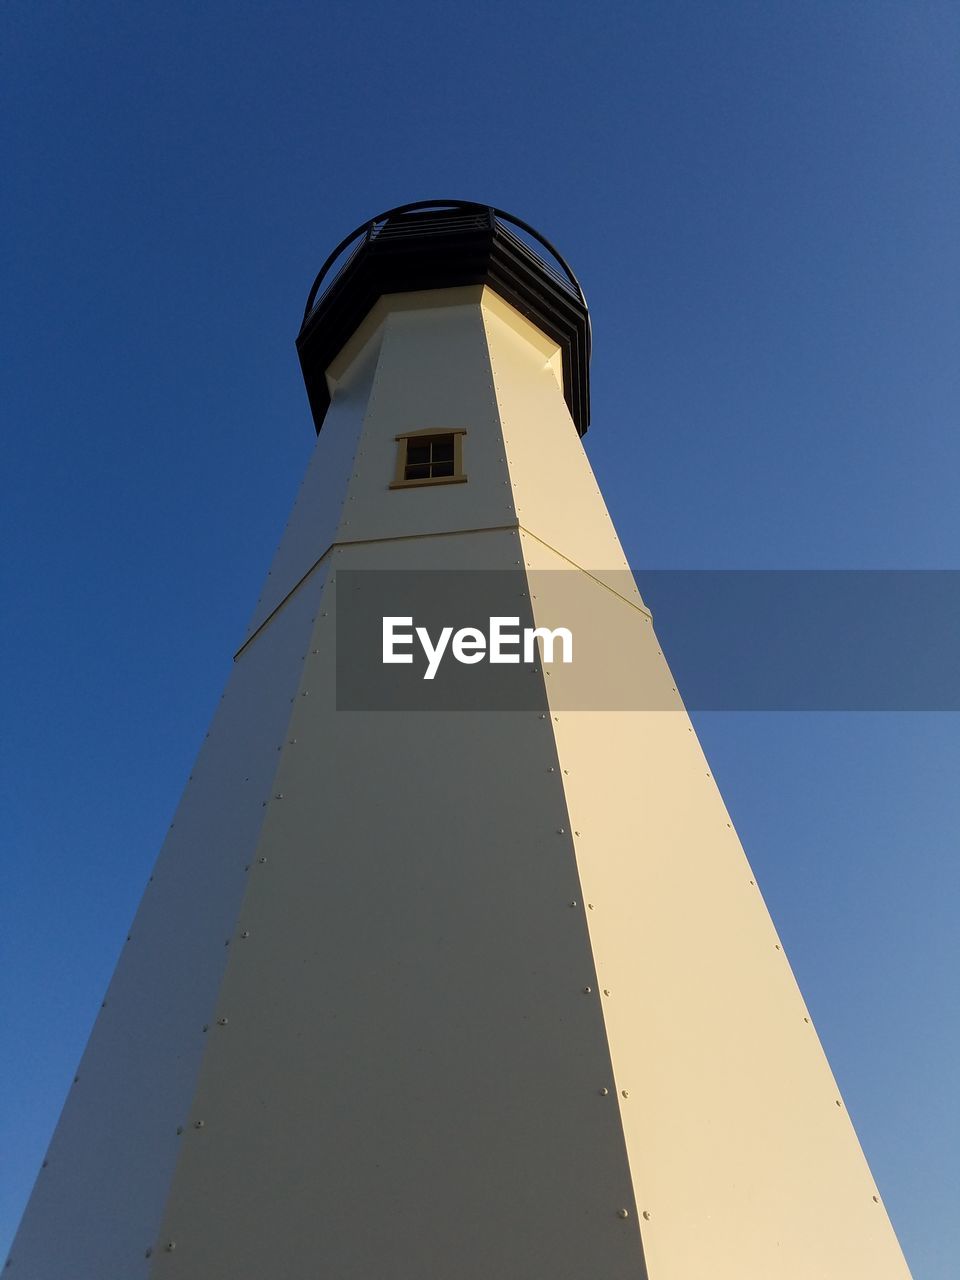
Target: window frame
{"type": "Point", "coordinates": [400, 480]}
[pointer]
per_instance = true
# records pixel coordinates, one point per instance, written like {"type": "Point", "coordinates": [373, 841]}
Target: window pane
{"type": "Point", "coordinates": [417, 453]}
{"type": "Point", "coordinates": [443, 450]}
{"type": "Point", "coordinates": [442, 468]}
{"type": "Point", "coordinates": [419, 471]}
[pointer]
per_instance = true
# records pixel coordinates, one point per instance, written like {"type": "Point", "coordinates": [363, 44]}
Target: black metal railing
{"type": "Point", "coordinates": [522, 247]}
{"type": "Point", "coordinates": [437, 218]}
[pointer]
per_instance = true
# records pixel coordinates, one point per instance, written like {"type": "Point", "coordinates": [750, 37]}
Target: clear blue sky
{"type": "Point", "coordinates": [761, 200]}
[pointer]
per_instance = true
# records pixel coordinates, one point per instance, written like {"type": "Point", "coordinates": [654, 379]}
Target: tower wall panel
{"type": "Point", "coordinates": [433, 373]}
{"type": "Point", "coordinates": [413, 1077]}
{"type": "Point", "coordinates": [741, 1151]}
{"type": "Point", "coordinates": [556, 492]}
{"type": "Point", "coordinates": [312, 526]}
{"type": "Point", "coordinates": [97, 1204]}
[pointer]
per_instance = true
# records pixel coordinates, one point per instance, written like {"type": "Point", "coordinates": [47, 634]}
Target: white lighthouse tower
{"type": "Point", "coordinates": [432, 985]}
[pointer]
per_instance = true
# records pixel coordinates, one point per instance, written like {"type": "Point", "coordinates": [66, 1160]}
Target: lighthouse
{"type": "Point", "coordinates": [452, 966]}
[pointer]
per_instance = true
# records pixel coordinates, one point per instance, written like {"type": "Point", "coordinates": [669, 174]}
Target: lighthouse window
{"type": "Point", "coordinates": [429, 457]}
